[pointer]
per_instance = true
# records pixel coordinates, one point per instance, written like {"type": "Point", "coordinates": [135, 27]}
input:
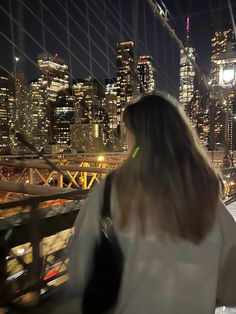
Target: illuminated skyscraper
{"type": "Point", "coordinates": [39, 114]}
{"type": "Point", "coordinates": [146, 71]}
{"type": "Point", "coordinates": [110, 105]}
{"type": "Point", "coordinates": [187, 76]}
{"type": "Point", "coordinates": [89, 115]}
{"type": "Point", "coordinates": [64, 117]}
{"type": "Point", "coordinates": [125, 75]}
{"type": "Point", "coordinates": [22, 119]}
{"type": "Point", "coordinates": [54, 75]}
{"type": "Point", "coordinates": [86, 93]}
{"type": "Point", "coordinates": [200, 109]}
{"type": "Point", "coordinates": [223, 54]}
{"type": "Point", "coordinates": [4, 115]}
{"type": "Point", "coordinates": [53, 79]}
{"type": "Point", "coordinates": [86, 137]}
{"type": "Point", "coordinates": [125, 79]}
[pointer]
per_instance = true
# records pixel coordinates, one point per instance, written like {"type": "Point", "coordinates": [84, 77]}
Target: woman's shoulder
{"type": "Point", "coordinates": [227, 223]}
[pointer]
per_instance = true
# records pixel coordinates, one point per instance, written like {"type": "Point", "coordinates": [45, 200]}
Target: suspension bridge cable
{"type": "Point", "coordinates": [145, 24]}
{"type": "Point", "coordinates": [93, 26]}
{"type": "Point", "coordinates": [171, 84]}
{"type": "Point", "coordinates": [42, 26]}
{"type": "Point", "coordinates": [58, 39]}
{"type": "Point", "coordinates": [87, 3]}
{"type": "Point", "coordinates": [120, 22]}
{"type": "Point", "coordinates": [178, 41]}
{"type": "Point", "coordinates": [84, 32]}
{"type": "Point", "coordinates": [107, 47]}
{"type": "Point", "coordinates": [13, 58]}
{"type": "Point", "coordinates": [68, 41]}
{"type": "Point", "coordinates": [232, 18]}
{"type": "Point", "coordinates": [90, 60]}
{"type": "Point", "coordinates": [33, 39]}
{"type": "Point", "coordinates": [27, 57]}
{"type": "Point", "coordinates": [23, 53]}
{"type": "Point", "coordinates": [75, 39]}
{"type": "Point", "coordinates": [213, 9]}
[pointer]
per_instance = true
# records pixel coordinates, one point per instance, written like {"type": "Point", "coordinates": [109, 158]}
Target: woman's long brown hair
{"type": "Point", "coordinates": [170, 182]}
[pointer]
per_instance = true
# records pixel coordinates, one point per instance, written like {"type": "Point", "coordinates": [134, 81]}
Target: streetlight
{"type": "Point", "coordinates": [227, 76]}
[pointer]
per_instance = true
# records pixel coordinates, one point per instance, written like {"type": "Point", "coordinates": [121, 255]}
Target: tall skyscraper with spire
{"type": "Point", "coordinates": [187, 76]}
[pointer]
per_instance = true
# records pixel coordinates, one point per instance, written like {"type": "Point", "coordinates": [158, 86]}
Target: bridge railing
{"type": "Point", "coordinates": [34, 236]}
{"type": "Point", "coordinates": [75, 172]}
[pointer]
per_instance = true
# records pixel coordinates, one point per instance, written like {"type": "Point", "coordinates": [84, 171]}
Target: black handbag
{"type": "Point", "coordinates": [101, 292]}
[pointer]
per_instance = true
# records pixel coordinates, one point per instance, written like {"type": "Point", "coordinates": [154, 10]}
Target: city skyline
{"type": "Point", "coordinates": [109, 23]}
{"type": "Point", "coordinates": [53, 109]}
{"type": "Point", "coordinates": [45, 108]}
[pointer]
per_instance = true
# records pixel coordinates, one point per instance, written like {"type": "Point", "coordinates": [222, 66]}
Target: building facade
{"type": "Point", "coordinates": [87, 137]}
{"type": "Point", "coordinates": [187, 77]}
{"type": "Point", "coordinates": [222, 98]}
{"type": "Point", "coordinates": [4, 115]}
{"type": "Point", "coordinates": [125, 75]}
{"type": "Point", "coordinates": [146, 74]}
{"type": "Point", "coordinates": [64, 117]}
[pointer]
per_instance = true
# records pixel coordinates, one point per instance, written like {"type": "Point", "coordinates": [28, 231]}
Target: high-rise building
{"type": "Point", "coordinates": [54, 76]}
{"type": "Point", "coordinates": [200, 109]}
{"type": "Point", "coordinates": [86, 94]}
{"type": "Point", "coordinates": [22, 119]}
{"type": "Point", "coordinates": [86, 137]}
{"type": "Point", "coordinates": [187, 75]}
{"type": "Point", "coordinates": [40, 119]}
{"type": "Point", "coordinates": [110, 104]}
{"type": "Point", "coordinates": [146, 72]}
{"type": "Point", "coordinates": [52, 79]}
{"type": "Point", "coordinates": [126, 81]}
{"type": "Point", "coordinates": [64, 117]}
{"type": "Point", "coordinates": [223, 55]}
{"type": "Point", "coordinates": [125, 75]}
{"type": "Point", "coordinates": [4, 115]}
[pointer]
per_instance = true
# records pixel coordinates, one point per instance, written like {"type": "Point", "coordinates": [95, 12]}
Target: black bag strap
{"type": "Point", "coordinates": [106, 208]}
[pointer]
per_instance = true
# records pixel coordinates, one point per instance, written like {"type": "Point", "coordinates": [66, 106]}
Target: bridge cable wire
{"type": "Point", "coordinates": [90, 60]}
{"type": "Point", "coordinates": [89, 23]}
{"type": "Point", "coordinates": [90, 53]}
{"type": "Point", "coordinates": [111, 27]}
{"type": "Point", "coordinates": [14, 59]}
{"type": "Point", "coordinates": [74, 38]}
{"type": "Point", "coordinates": [126, 27]}
{"type": "Point", "coordinates": [145, 26]}
{"type": "Point", "coordinates": [42, 26]}
{"type": "Point", "coordinates": [106, 40]}
{"type": "Point", "coordinates": [102, 20]}
{"type": "Point", "coordinates": [120, 21]}
{"type": "Point", "coordinates": [27, 57]}
{"type": "Point", "coordinates": [68, 42]}
{"type": "Point", "coordinates": [180, 44]}
{"type": "Point", "coordinates": [232, 18]}
{"type": "Point", "coordinates": [15, 46]}
{"type": "Point", "coordinates": [213, 9]}
{"type": "Point", "coordinates": [85, 32]}
{"type": "Point", "coordinates": [35, 41]}
{"type": "Point", "coordinates": [90, 39]}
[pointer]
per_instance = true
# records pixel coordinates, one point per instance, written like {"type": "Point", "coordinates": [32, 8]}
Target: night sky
{"type": "Point", "coordinates": [107, 24]}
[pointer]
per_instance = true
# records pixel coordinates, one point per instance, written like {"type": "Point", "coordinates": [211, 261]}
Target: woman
{"type": "Point", "coordinates": [178, 240]}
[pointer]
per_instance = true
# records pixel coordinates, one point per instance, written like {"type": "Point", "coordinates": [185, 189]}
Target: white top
{"type": "Point", "coordinates": [162, 276]}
